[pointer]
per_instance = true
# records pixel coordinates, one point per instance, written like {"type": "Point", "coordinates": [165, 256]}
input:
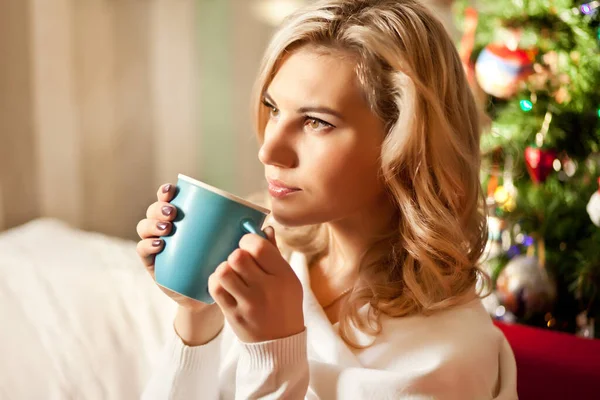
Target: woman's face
{"type": "Point", "coordinates": [322, 143]}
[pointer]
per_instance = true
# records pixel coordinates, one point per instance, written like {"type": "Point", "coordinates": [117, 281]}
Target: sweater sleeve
{"type": "Point", "coordinates": [185, 372]}
{"type": "Point", "coordinates": [275, 369]}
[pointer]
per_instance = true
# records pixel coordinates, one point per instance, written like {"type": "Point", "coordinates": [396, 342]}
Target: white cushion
{"type": "Point", "coordinates": [80, 316]}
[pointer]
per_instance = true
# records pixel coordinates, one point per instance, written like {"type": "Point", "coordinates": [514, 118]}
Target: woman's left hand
{"type": "Point", "coordinates": [258, 292]}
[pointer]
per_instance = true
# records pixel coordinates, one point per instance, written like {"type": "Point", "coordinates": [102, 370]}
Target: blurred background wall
{"type": "Point", "coordinates": [101, 101]}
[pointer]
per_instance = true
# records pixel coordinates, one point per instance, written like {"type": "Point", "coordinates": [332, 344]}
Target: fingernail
{"type": "Point", "coordinates": [156, 243]}
{"type": "Point", "coordinates": [166, 188]}
{"type": "Point", "coordinates": [162, 226]}
{"type": "Point", "coordinates": [166, 210]}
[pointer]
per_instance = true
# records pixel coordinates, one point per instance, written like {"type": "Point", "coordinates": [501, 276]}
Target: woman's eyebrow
{"type": "Point", "coordinates": [269, 99]}
{"type": "Point", "coordinates": [321, 110]}
{"type": "Point", "coordinates": [301, 110]}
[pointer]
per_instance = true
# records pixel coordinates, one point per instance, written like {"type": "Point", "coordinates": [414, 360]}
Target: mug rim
{"type": "Point", "coordinates": [223, 193]}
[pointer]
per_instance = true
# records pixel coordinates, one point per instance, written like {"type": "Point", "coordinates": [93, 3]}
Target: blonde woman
{"type": "Point", "coordinates": [370, 141]}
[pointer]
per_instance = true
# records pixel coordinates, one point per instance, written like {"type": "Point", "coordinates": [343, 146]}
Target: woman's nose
{"type": "Point", "coordinates": [277, 148]}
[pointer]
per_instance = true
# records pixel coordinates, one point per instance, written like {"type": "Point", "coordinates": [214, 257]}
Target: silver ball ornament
{"type": "Point", "coordinates": [524, 287]}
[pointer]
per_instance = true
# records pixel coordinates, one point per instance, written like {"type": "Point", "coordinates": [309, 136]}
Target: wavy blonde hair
{"type": "Point", "coordinates": [412, 78]}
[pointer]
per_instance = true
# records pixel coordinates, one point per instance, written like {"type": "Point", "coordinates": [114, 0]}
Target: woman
{"type": "Point", "coordinates": [370, 141]}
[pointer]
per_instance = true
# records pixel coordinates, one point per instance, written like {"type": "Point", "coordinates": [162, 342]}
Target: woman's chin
{"type": "Point", "coordinates": [288, 218]}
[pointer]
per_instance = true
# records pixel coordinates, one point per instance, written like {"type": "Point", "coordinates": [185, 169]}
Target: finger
{"type": "Point", "coordinates": [270, 232]}
{"type": "Point", "coordinates": [161, 211]}
{"type": "Point", "coordinates": [151, 228]}
{"type": "Point", "coordinates": [224, 300]}
{"type": "Point", "coordinates": [147, 250]}
{"type": "Point", "coordinates": [231, 282]}
{"type": "Point", "coordinates": [165, 192]}
{"type": "Point", "coordinates": [216, 290]}
{"type": "Point", "coordinates": [265, 254]}
{"type": "Point", "coordinates": [244, 265]}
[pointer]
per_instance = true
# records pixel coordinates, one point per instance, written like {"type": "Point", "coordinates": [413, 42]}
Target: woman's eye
{"type": "Point", "coordinates": [273, 112]}
{"type": "Point", "coordinates": [317, 125]}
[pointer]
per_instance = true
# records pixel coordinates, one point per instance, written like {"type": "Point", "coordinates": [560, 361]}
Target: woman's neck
{"type": "Point", "coordinates": [349, 239]}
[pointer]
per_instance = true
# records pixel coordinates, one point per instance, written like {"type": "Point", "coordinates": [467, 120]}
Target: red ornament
{"type": "Point", "coordinates": [539, 163]}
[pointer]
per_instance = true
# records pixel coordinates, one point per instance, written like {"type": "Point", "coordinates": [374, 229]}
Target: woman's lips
{"type": "Point", "coordinates": [279, 189]}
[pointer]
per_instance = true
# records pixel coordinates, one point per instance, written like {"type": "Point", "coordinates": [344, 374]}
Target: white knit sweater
{"type": "Point", "coordinates": [454, 354]}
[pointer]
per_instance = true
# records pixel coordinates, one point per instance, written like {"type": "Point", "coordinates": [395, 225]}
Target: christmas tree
{"type": "Point", "coordinates": [535, 68]}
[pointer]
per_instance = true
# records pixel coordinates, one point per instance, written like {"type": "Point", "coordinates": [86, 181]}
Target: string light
{"type": "Point", "coordinates": [541, 135]}
{"type": "Point", "coordinates": [526, 105]}
{"type": "Point", "coordinates": [589, 8]}
{"type": "Point", "coordinates": [557, 165]}
{"type": "Point", "coordinates": [528, 241]}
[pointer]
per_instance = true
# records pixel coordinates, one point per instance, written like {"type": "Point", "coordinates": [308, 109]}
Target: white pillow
{"type": "Point", "coordinates": [81, 318]}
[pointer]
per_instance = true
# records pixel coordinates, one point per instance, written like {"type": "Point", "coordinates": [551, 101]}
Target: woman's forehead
{"type": "Point", "coordinates": [308, 74]}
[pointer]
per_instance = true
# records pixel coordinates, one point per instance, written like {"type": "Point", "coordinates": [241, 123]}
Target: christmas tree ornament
{"type": "Point", "coordinates": [493, 181]}
{"type": "Point", "coordinates": [547, 76]}
{"type": "Point", "coordinates": [593, 207]}
{"type": "Point", "coordinates": [550, 320]}
{"type": "Point", "coordinates": [569, 166]}
{"type": "Point", "coordinates": [510, 191]}
{"type": "Point", "coordinates": [551, 60]}
{"type": "Point", "coordinates": [505, 199]}
{"type": "Point", "coordinates": [538, 80]}
{"type": "Point", "coordinates": [500, 70]}
{"type": "Point", "coordinates": [585, 325]}
{"type": "Point", "coordinates": [495, 228]}
{"type": "Point", "coordinates": [539, 163]}
{"type": "Point", "coordinates": [540, 160]}
{"type": "Point", "coordinates": [562, 95]}
{"type": "Point", "coordinates": [498, 238]}
{"type": "Point", "coordinates": [500, 195]}
{"type": "Point", "coordinates": [524, 287]}
{"type": "Point", "coordinates": [544, 72]}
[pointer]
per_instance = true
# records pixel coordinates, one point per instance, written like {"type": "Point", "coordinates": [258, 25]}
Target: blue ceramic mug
{"type": "Point", "coordinates": [209, 225]}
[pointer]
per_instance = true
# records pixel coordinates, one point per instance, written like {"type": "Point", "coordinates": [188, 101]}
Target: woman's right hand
{"type": "Point", "coordinates": [159, 222]}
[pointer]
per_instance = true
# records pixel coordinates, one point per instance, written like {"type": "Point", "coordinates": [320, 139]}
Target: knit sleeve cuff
{"type": "Point", "coordinates": [193, 358]}
{"type": "Point", "coordinates": [276, 353]}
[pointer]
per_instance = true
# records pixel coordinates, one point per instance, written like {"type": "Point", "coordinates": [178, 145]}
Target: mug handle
{"type": "Point", "coordinates": [249, 226]}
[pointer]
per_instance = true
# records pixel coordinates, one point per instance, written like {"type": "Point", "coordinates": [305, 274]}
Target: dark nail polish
{"type": "Point", "coordinates": [166, 188]}
{"type": "Point", "coordinates": [166, 210]}
{"type": "Point", "coordinates": [162, 226]}
{"type": "Point", "coordinates": [156, 243]}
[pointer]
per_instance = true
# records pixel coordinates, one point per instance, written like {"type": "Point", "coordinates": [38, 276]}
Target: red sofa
{"type": "Point", "coordinates": [553, 365]}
